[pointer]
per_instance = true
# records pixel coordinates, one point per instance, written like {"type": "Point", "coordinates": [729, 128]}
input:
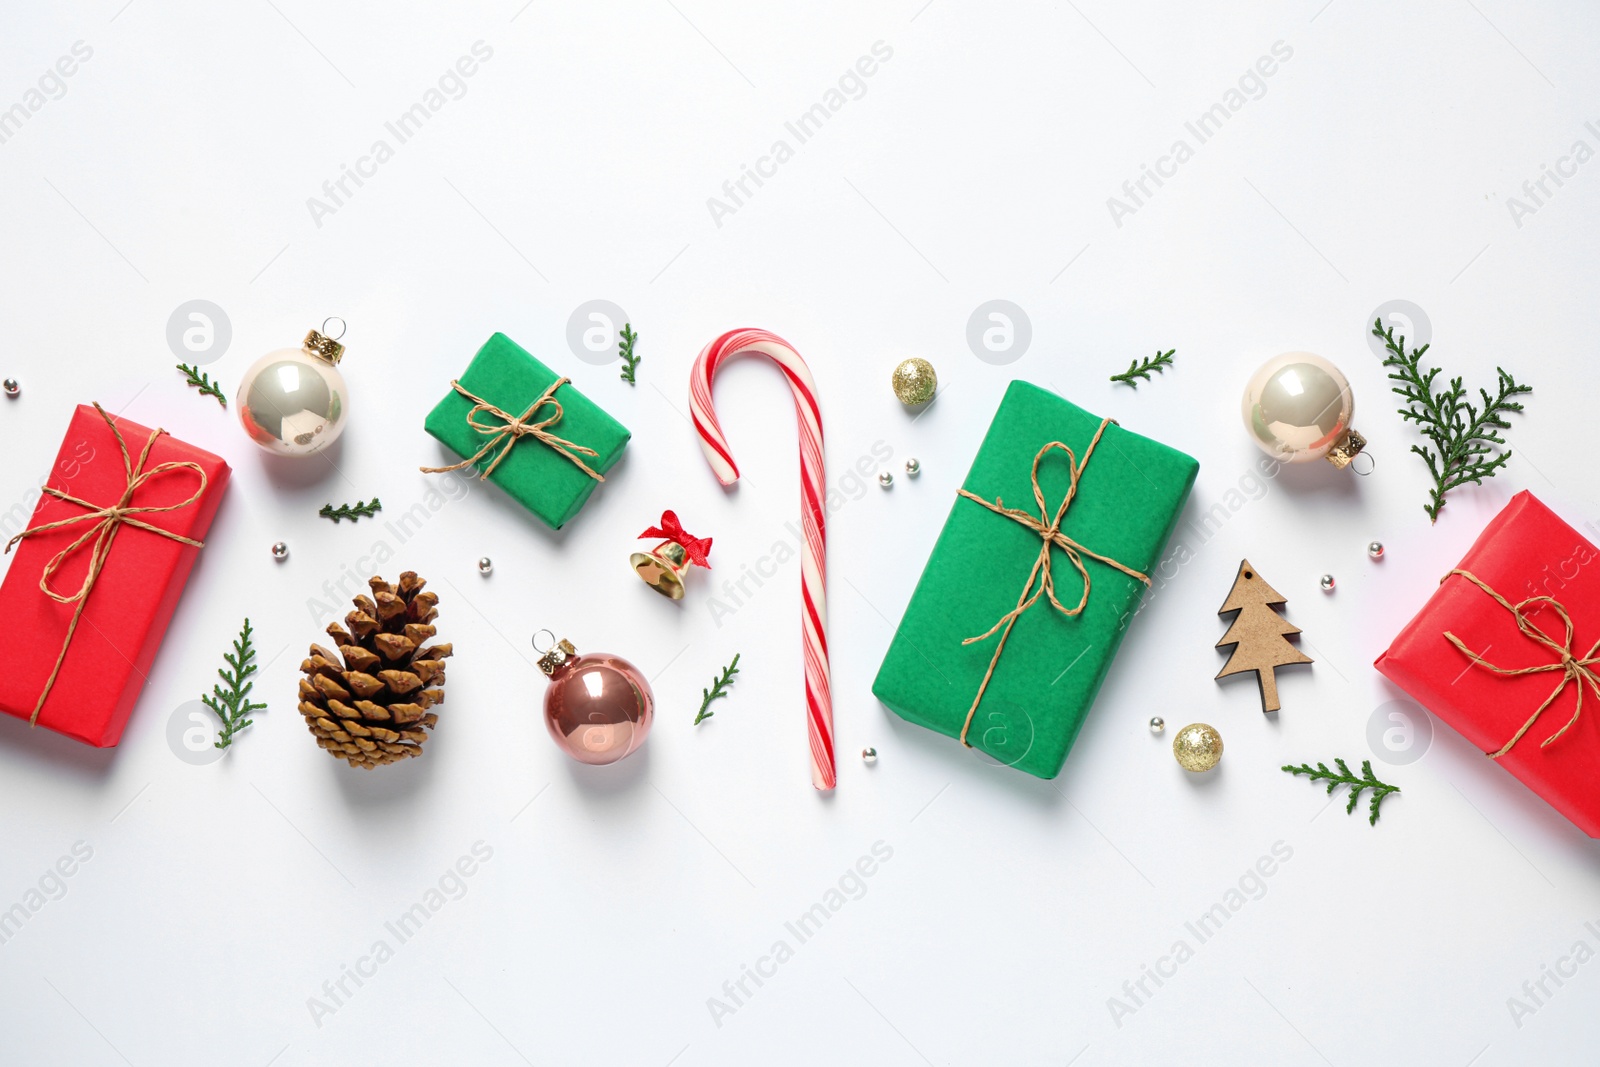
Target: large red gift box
{"type": "Point", "coordinates": [131, 600]}
{"type": "Point", "coordinates": [1544, 570]}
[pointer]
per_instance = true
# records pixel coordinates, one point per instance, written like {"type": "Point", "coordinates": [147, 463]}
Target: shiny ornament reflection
{"type": "Point", "coordinates": [599, 707]}
{"type": "Point", "coordinates": [1298, 408]}
{"type": "Point", "coordinates": [293, 402]}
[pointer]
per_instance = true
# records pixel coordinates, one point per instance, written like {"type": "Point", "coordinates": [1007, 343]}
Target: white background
{"type": "Point", "coordinates": [977, 165]}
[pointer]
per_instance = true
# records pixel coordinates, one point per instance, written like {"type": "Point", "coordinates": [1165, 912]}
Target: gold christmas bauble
{"type": "Point", "coordinates": [915, 381]}
{"type": "Point", "coordinates": [1198, 747]}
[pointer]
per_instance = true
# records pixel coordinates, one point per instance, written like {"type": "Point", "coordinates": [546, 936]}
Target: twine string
{"type": "Point", "coordinates": [507, 429]}
{"type": "Point", "coordinates": [1575, 670]}
{"type": "Point", "coordinates": [105, 522]}
{"type": "Point", "coordinates": [1050, 535]}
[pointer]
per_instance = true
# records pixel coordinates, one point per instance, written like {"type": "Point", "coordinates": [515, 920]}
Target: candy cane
{"type": "Point", "coordinates": [813, 479]}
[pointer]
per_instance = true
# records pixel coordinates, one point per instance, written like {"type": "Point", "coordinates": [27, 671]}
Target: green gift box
{"type": "Point", "coordinates": [987, 570]}
{"type": "Point", "coordinates": [542, 458]}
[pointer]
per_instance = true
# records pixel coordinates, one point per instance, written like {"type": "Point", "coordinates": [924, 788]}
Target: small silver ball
{"type": "Point", "coordinates": [869, 755]}
{"type": "Point", "coordinates": [913, 468]}
{"type": "Point", "coordinates": [485, 566]}
{"type": "Point", "coordinates": [1327, 583]}
{"type": "Point", "coordinates": [12, 387]}
{"type": "Point", "coordinates": [886, 479]}
{"type": "Point", "coordinates": [280, 551]}
{"type": "Point", "coordinates": [1375, 549]}
{"type": "Point", "coordinates": [1157, 724]}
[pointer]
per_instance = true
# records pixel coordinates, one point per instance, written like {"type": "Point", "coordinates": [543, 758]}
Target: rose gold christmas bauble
{"type": "Point", "coordinates": [598, 708]}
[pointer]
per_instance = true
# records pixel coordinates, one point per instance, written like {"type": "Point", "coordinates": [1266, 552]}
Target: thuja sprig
{"type": "Point", "coordinates": [630, 360]}
{"type": "Point", "coordinates": [1464, 437]}
{"type": "Point", "coordinates": [1344, 777]}
{"type": "Point", "coordinates": [351, 511]}
{"type": "Point", "coordinates": [1142, 370]}
{"type": "Point", "coordinates": [233, 706]}
{"type": "Point", "coordinates": [203, 382]}
{"type": "Point", "coordinates": [719, 688]}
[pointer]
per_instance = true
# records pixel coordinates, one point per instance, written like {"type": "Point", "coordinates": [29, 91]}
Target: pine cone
{"type": "Point", "coordinates": [374, 709]}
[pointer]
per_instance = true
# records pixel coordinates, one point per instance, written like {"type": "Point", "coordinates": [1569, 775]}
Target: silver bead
{"type": "Point", "coordinates": [12, 387]}
{"type": "Point", "coordinates": [1327, 583]}
{"type": "Point", "coordinates": [1375, 549]}
{"type": "Point", "coordinates": [869, 755]}
{"type": "Point", "coordinates": [886, 479]}
{"type": "Point", "coordinates": [280, 551]}
{"type": "Point", "coordinates": [1157, 724]}
{"type": "Point", "coordinates": [485, 566]}
{"type": "Point", "coordinates": [913, 468]}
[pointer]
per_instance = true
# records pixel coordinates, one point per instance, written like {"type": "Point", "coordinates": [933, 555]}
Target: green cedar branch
{"type": "Point", "coordinates": [1344, 777]}
{"type": "Point", "coordinates": [351, 511]}
{"type": "Point", "coordinates": [719, 688]}
{"type": "Point", "coordinates": [1464, 438]}
{"type": "Point", "coordinates": [233, 707]}
{"type": "Point", "coordinates": [1142, 370]}
{"type": "Point", "coordinates": [203, 382]}
{"type": "Point", "coordinates": [631, 360]}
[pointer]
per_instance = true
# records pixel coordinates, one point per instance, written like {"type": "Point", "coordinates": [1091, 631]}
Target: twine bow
{"type": "Point", "coordinates": [1050, 535]}
{"type": "Point", "coordinates": [509, 429]}
{"type": "Point", "coordinates": [1579, 670]}
{"type": "Point", "coordinates": [105, 524]}
{"type": "Point", "coordinates": [698, 549]}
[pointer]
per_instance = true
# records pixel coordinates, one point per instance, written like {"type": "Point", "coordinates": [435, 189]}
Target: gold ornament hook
{"type": "Point", "coordinates": [1348, 448]}
{"type": "Point", "coordinates": [326, 348]}
{"type": "Point", "coordinates": [556, 657]}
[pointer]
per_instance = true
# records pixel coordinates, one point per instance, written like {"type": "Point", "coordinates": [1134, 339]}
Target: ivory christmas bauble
{"type": "Point", "coordinates": [1298, 408]}
{"type": "Point", "coordinates": [293, 403]}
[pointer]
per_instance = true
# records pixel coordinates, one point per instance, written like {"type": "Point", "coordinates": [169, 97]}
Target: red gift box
{"type": "Point", "coordinates": [126, 567]}
{"type": "Point", "coordinates": [1523, 682]}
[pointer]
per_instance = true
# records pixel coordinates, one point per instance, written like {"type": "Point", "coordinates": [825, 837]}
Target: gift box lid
{"type": "Point", "coordinates": [539, 477]}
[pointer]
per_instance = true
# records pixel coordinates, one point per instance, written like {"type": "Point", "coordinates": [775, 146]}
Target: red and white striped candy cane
{"type": "Point", "coordinates": [813, 490]}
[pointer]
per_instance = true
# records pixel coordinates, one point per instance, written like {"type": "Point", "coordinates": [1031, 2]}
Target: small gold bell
{"type": "Point", "coordinates": [663, 568]}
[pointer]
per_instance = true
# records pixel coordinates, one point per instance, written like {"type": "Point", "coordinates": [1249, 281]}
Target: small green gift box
{"type": "Point", "coordinates": [528, 430]}
{"type": "Point", "coordinates": [1033, 580]}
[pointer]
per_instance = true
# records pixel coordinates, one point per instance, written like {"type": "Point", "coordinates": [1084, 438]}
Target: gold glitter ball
{"type": "Point", "coordinates": [915, 381]}
{"type": "Point", "coordinates": [1198, 747]}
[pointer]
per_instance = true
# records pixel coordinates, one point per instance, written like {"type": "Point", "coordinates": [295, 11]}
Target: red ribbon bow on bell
{"type": "Point", "coordinates": [698, 548]}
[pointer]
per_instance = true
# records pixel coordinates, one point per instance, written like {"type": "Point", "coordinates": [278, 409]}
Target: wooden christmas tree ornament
{"type": "Point", "coordinates": [1259, 634]}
